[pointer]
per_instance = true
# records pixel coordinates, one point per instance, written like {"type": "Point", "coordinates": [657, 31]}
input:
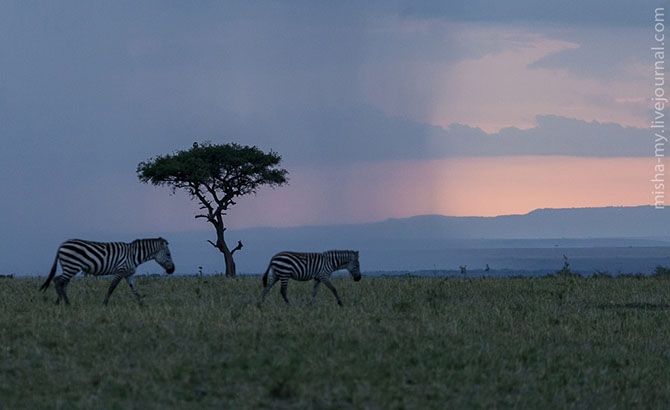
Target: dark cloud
{"type": "Point", "coordinates": [603, 54]}
{"type": "Point", "coordinates": [553, 135]}
{"type": "Point", "coordinates": [101, 86]}
{"type": "Point", "coordinates": [599, 12]}
{"type": "Point", "coordinates": [363, 134]}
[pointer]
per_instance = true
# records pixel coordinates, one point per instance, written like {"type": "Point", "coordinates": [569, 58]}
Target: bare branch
{"type": "Point", "coordinates": [212, 192]}
{"type": "Point", "coordinates": [237, 248]}
{"type": "Point", "coordinates": [204, 201]}
{"type": "Point", "coordinates": [213, 244]}
{"type": "Point", "coordinates": [222, 203]}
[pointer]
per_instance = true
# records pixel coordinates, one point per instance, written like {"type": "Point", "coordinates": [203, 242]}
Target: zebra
{"type": "Point", "coordinates": [106, 258]}
{"type": "Point", "coordinates": [305, 266]}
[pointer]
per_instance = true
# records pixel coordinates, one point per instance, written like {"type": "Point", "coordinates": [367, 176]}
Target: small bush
{"type": "Point", "coordinates": [662, 272]}
{"type": "Point", "coordinates": [565, 270]}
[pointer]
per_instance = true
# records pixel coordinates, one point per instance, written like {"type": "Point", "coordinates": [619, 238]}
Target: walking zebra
{"type": "Point", "coordinates": [106, 258]}
{"type": "Point", "coordinates": [305, 266]}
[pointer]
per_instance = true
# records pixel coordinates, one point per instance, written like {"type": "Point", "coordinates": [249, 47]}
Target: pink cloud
{"type": "Point", "coordinates": [500, 88]}
{"type": "Point", "coordinates": [458, 186]}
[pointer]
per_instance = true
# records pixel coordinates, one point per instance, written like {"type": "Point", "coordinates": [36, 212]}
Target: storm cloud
{"type": "Point", "coordinates": [90, 89]}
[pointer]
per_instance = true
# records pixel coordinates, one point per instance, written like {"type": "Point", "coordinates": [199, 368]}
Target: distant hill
{"type": "Point", "coordinates": [424, 242]}
{"type": "Point", "coordinates": [608, 222]}
{"type": "Point", "coordinates": [436, 241]}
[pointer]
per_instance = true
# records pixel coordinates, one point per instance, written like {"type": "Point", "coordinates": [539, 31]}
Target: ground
{"type": "Point", "coordinates": [413, 343]}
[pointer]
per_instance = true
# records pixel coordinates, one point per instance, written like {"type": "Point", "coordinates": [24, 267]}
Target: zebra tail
{"type": "Point", "coordinates": [51, 275]}
{"type": "Point", "coordinates": [265, 275]}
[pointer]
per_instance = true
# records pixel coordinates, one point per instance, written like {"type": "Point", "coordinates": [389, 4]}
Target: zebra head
{"type": "Point", "coordinates": [163, 256]}
{"type": "Point", "coordinates": [354, 267]}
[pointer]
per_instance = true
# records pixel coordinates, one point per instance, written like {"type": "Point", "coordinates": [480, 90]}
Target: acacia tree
{"type": "Point", "coordinates": [215, 175]}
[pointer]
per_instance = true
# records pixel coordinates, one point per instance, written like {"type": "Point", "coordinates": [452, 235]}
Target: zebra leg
{"type": "Point", "coordinates": [316, 288]}
{"type": "Point", "coordinates": [269, 286]}
{"type": "Point", "coordinates": [59, 288]}
{"type": "Point", "coordinates": [330, 286]}
{"type": "Point", "coordinates": [112, 286]}
{"type": "Point", "coordinates": [66, 282]}
{"type": "Point", "coordinates": [131, 283]}
{"type": "Point", "coordinates": [284, 285]}
{"type": "Point", "coordinates": [61, 283]}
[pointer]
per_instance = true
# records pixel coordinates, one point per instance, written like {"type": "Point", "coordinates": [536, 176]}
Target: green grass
{"type": "Point", "coordinates": [397, 343]}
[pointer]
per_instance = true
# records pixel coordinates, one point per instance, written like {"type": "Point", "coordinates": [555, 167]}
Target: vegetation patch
{"type": "Point", "coordinates": [396, 343]}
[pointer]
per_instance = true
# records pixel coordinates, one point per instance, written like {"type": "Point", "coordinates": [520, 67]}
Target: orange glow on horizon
{"type": "Point", "coordinates": [478, 186]}
{"type": "Point", "coordinates": [512, 185]}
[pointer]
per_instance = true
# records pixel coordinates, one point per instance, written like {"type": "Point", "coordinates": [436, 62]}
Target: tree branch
{"type": "Point", "coordinates": [212, 192]}
{"type": "Point", "coordinates": [213, 244]}
{"type": "Point", "coordinates": [237, 248]}
{"type": "Point", "coordinates": [206, 204]}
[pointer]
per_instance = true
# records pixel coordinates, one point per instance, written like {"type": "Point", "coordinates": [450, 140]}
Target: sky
{"type": "Point", "coordinates": [379, 108]}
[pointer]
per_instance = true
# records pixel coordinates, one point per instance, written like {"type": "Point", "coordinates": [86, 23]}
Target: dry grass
{"type": "Point", "coordinates": [397, 343]}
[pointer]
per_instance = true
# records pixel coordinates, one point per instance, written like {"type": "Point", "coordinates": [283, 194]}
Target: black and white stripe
{"type": "Point", "coordinates": [106, 258]}
{"type": "Point", "coordinates": [304, 266]}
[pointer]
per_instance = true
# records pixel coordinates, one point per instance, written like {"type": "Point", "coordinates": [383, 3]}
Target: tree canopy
{"type": "Point", "coordinates": [216, 175]}
{"type": "Point", "coordinates": [222, 171]}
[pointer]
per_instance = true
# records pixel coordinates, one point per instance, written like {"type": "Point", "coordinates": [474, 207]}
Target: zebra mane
{"type": "Point", "coordinates": [146, 241]}
{"type": "Point", "coordinates": [342, 255]}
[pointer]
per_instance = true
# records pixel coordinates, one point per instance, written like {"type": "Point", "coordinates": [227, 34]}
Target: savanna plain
{"type": "Point", "coordinates": [397, 343]}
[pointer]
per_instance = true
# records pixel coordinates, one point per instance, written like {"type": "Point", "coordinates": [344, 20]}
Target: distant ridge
{"type": "Point", "coordinates": [603, 222]}
{"type": "Point", "coordinates": [624, 239]}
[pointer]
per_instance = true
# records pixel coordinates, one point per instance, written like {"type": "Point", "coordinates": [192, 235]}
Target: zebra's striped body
{"type": "Point", "coordinates": [106, 258]}
{"type": "Point", "coordinates": [304, 266]}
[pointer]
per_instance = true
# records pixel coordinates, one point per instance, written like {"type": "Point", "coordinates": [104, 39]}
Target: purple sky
{"type": "Point", "coordinates": [397, 96]}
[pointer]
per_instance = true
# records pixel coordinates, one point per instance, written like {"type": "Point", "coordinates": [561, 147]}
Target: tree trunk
{"type": "Point", "coordinates": [228, 259]}
{"type": "Point", "coordinates": [223, 248]}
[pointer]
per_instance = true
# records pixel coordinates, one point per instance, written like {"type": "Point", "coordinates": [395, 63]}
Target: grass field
{"type": "Point", "coordinates": [414, 343]}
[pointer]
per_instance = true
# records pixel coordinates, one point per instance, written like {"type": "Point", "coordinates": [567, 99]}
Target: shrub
{"type": "Point", "coordinates": [661, 272]}
{"type": "Point", "coordinates": [565, 270]}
